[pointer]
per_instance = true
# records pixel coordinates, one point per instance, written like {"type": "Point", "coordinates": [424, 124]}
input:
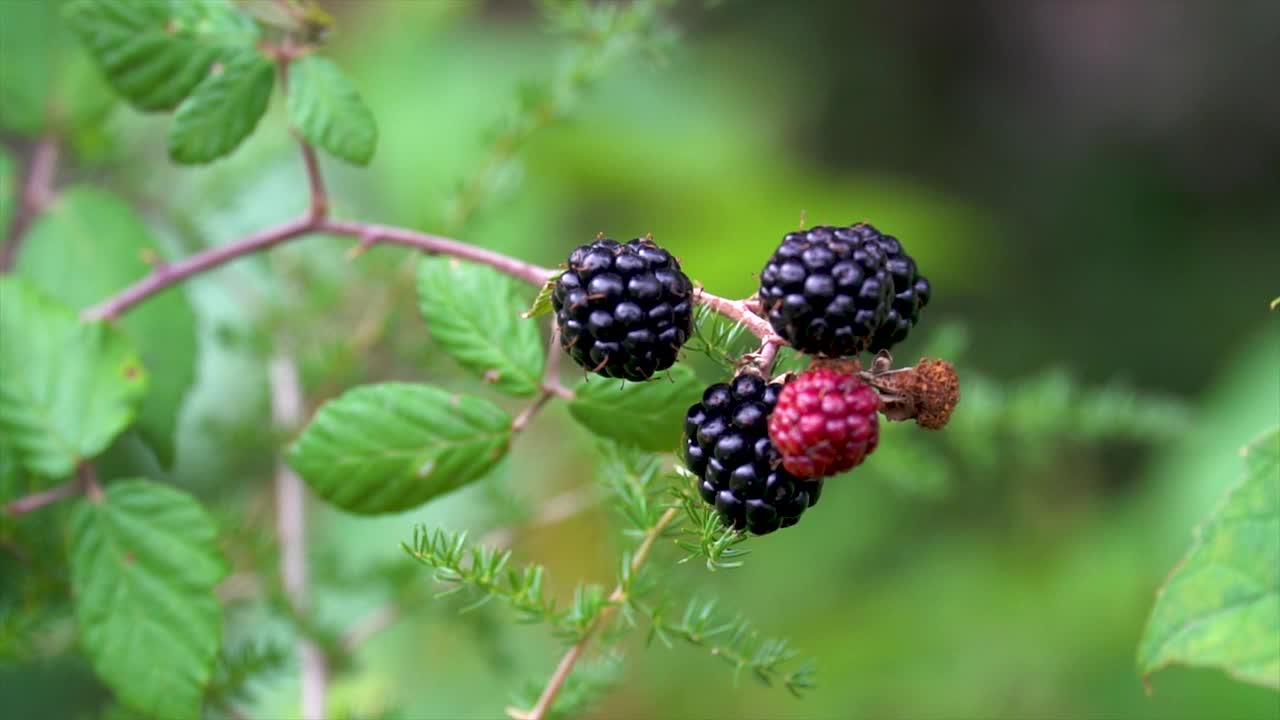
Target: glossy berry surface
{"type": "Point", "coordinates": [825, 423]}
{"type": "Point", "coordinates": [624, 309]}
{"type": "Point", "coordinates": [827, 290]}
{"type": "Point", "coordinates": [739, 472]}
{"type": "Point", "coordinates": [911, 290]}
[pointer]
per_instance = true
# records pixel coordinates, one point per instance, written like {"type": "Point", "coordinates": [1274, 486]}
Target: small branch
{"type": "Point", "coordinates": [369, 234]}
{"type": "Point", "coordinates": [616, 599]}
{"type": "Point", "coordinates": [372, 234]}
{"type": "Point", "coordinates": [35, 501]}
{"type": "Point", "coordinates": [166, 275]}
{"type": "Point", "coordinates": [738, 311]}
{"type": "Point", "coordinates": [36, 194]}
{"type": "Point", "coordinates": [560, 391]}
{"type": "Point", "coordinates": [550, 381]}
{"type": "Point", "coordinates": [318, 208]}
{"type": "Point", "coordinates": [522, 420]}
{"type": "Point", "coordinates": [87, 474]}
{"type": "Point", "coordinates": [286, 412]}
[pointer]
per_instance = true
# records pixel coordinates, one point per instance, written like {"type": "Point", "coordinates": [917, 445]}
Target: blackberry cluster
{"type": "Point", "coordinates": [624, 310]}
{"type": "Point", "coordinates": [827, 290]}
{"type": "Point", "coordinates": [910, 290]}
{"type": "Point", "coordinates": [727, 446]}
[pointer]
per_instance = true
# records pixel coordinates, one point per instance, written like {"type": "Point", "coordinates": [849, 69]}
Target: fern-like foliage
{"type": "Point", "coordinates": [722, 340]}
{"type": "Point", "coordinates": [632, 478]}
{"type": "Point", "coordinates": [461, 567]}
{"type": "Point", "coordinates": [240, 666]}
{"type": "Point", "coordinates": [702, 535]}
{"type": "Point", "coordinates": [770, 661]}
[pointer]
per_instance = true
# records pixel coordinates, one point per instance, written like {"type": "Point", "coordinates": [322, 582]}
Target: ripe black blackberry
{"type": "Point", "coordinates": [827, 290]}
{"type": "Point", "coordinates": [911, 290]}
{"type": "Point", "coordinates": [739, 471]}
{"type": "Point", "coordinates": [624, 310]}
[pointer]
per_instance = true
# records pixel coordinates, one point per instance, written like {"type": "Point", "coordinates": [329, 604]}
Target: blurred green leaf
{"type": "Point", "coordinates": [647, 415]}
{"type": "Point", "coordinates": [223, 110]}
{"type": "Point", "coordinates": [154, 52]}
{"type": "Point", "coordinates": [329, 112]}
{"type": "Point", "coordinates": [391, 447]}
{"type": "Point", "coordinates": [8, 189]}
{"type": "Point", "coordinates": [473, 312]}
{"type": "Point", "coordinates": [66, 388]}
{"type": "Point", "coordinates": [1221, 606]}
{"type": "Point", "coordinates": [93, 230]}
{"type": "Point", "coordinates": [144, 563]}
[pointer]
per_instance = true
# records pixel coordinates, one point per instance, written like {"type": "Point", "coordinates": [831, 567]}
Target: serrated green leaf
{"type": "Point", "coordinates": [329, 112]}
{"type": "Point", "coordinates": [99, 235]}
{"type": "Point", "coordinates": [66, 388]}
{"type": "Point", "coordinates": [647, 415]}
{"type": "Point", "coordinates": [144, 563]}
{"type": "Point", "coordinates": [391, 447]}
{"type": "Point", "coordinates": [473, 312]}
{"type": "Point", "coordinates": [154, 52]}
{"type": "Point", "coordinates": [223, 110]}
{"type": "Point", "coordinates": [542, 303]}
{"type": "Point", "coordinates": [1221, 606]}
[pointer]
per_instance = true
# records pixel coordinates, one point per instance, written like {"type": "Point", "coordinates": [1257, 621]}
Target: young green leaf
{"type": "Point", "coordinates": [1221, 606]}
{"type": "Point", "coordinates": [329, 112]}
{"type": "Point", "coordinates": [154, 52]}
{"type": "Point", "coordinates": [391, 447]}
{"type": "Point", "coordinates": [647, 415]}
{"type": "Point", "coordinates": [89, 224]}
{"type": "Point", "coordinates": [66, 388]}
{"type": "Point", "coordinates": [473, 312]}
{"type": "Point", "coordinates": [542, 303]}
{"type": "Point", "coordinates": [144, 563]}
{"type": "Point", "coordinates": [223, 110]}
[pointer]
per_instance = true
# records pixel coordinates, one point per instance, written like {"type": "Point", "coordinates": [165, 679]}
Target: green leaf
{"type": "Point", "coordinates": [154, 52]}
{"type": "Point", "coordinates": [144, 563]}
{"type": "Point", "coordinates": [328, 110]}
{"type": "Point", "coordinates": [223, 110]}
{"type": "Point", "coordinates": [391, 447]}
{"type": "Point", "coordinates": [1221, 606]}
{"type": "Point", "coordinates": [647, 415]}
{"type": "Point", "coordinates": [542, 303]}
{"type": "Point", "coordinates": [105, 241]}
{"type": "Point", "coordinates": [66, 388]}
{"type": "Point", "coordinates": [473, 312]}
{"type": "Point", "coordinates": [8, 189]}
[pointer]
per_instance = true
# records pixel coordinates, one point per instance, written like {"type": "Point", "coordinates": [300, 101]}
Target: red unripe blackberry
{"type": "Point", "coordinates": [624, 310]}
{"type": "Point", "coordinates": [825, 423]}
{"type": "Point", "coordinates": [739, 471]}
{"type": "Point", "coordinates": [827, 290]}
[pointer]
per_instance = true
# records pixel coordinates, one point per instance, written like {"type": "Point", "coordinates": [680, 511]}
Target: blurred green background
{"type": "Point", "coordinates": [1091, 187]}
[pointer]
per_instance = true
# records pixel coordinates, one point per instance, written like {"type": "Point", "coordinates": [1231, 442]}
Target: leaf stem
{"type": "Point", "coordinates": [87, 475]}
{"type": "Point", "coordinates": [550, 382]}
{"type": "Point", "coordinates": [616, 599]}
{"type": "Point", "coordinates": [36, 194]}
{"type": "Point", "coordinates": [37, 500]}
